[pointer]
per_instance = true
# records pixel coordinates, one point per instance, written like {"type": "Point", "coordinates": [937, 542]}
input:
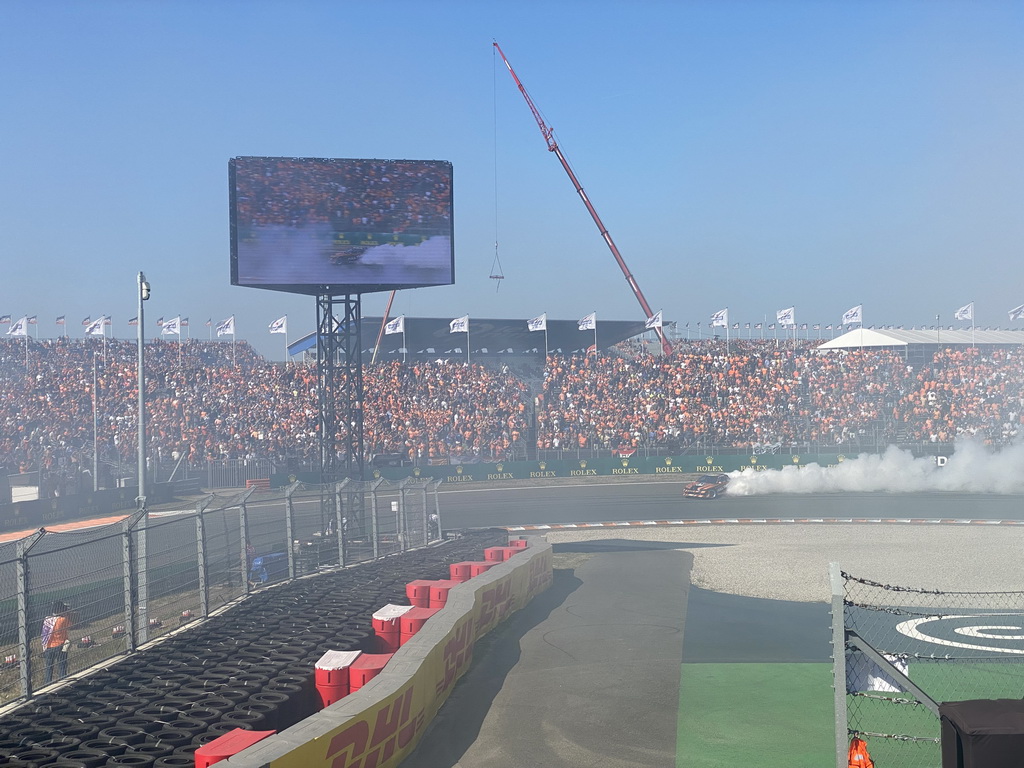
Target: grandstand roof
{"type": "Point", "coordinates": [430, 335]}
{"type": "Point", "coordinates": [870, 337]}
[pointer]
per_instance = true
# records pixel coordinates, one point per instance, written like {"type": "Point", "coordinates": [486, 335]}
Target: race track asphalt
{"type": "Point", "coordinates": [589, 674]}
{"type": "Point", "coordinates": [663, 500]}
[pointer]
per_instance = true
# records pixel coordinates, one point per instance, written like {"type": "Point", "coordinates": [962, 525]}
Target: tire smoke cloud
{"type": "Point", "coordinates": [972, 468]}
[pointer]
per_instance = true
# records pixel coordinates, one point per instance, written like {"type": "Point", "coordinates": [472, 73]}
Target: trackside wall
{"type": "Point", "coordinates": [382, 723]}
{"type": "Point", "coordinates": [582, 469]}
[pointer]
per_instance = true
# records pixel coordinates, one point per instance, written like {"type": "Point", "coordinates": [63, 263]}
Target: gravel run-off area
{"type": "Point", "coordinates": [790, 561]}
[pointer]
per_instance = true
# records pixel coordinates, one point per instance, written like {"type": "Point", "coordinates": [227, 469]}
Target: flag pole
{"type": "Point", "coordinates": [467, 341]}
{"type": "Point", "coordinates": [545, 343]}
{"type": "Point", "coordinates": [405, 346]}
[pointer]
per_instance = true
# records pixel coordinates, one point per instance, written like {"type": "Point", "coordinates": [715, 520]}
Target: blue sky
{"type": "Point", "coordinates": [754, 155]}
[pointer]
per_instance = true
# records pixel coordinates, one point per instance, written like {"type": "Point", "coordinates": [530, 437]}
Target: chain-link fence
{"type": "Point", "coordinates": [899, 651]}
{"type": "Point", "coordinates": [71, 600]}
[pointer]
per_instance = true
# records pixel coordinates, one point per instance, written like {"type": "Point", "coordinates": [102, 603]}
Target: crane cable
{"type": "Point", "coordinates": [497, 275]}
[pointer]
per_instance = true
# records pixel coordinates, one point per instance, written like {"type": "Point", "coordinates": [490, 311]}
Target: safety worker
{"type": "Point", "coordinates": [55, 641]}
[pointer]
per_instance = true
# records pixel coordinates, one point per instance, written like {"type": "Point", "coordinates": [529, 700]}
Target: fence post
{"type": "Point", "coordinates": [426, 515]}
{"type": "Point", "coordinates": [839, 663]}
{"type": "Point", "coordinates": [202, 564]}
{"type": "Point", "coordinates": [289, 527]}
{"type": "Point", "coordinates": [403, 522]}
{"type": "Point", "coordinates": [437, 505]}
{"type": "Point", "coordinates": [376, 519]}
{"type": "Point", "coordinates": [243, 528]}
{"type": "Point", "coordinates": [24, 637]}
{"type": "Point", "coordinates": [132, 610]}
{"type": "Point", "coordinates": [341, 511]}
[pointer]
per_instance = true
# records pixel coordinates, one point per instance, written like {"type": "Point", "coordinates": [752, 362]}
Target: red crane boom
{"type": "Point", "coordinates": [553, 147]}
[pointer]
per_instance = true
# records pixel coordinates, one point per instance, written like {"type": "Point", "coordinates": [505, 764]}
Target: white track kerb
{"type": "Point", "coordinates": [381, 723]}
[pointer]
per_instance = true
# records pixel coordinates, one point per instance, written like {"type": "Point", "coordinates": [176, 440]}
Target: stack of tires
{"type": "Point", "coordinates": [250, 667]}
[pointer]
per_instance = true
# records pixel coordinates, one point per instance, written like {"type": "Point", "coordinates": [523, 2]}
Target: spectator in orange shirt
{"type": "Point", "coordinates": [55, 641]}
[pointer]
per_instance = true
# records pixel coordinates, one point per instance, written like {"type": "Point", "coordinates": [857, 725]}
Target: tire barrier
{"type": "Point", "coordinates": [380, 723]}
{"type": "Point", "coordinates": [90, 758]}
{"type": "Point", "coordinates": [249, 668]}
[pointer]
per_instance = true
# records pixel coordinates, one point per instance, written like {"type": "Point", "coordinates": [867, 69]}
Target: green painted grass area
{"type": "Point", "coordinates": [768, 715]}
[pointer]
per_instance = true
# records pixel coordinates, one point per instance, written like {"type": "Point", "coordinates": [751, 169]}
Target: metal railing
{"type": "Point", "coordinates": [125, 584]}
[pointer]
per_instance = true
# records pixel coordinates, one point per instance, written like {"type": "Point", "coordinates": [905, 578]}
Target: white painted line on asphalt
{"type": "Point", "coordinates": [763, 521]}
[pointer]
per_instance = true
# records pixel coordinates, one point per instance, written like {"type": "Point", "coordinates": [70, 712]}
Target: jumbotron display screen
{"type": "Point", "coordinates": [333, 226]}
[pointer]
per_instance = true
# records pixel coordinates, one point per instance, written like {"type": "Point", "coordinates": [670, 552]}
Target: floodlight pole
{"type": "Point", "coordinates": [95, 430]}
{"type": "Point", "coordinates": [143, 295]}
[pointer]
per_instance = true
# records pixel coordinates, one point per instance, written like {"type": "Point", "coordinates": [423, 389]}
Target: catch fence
{"type": "Point", "coordinates": [125, 584]}
{"type": "Point", "coordinates": [900, 651]}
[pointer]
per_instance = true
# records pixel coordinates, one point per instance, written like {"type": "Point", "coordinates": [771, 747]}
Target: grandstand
{"type": "Point", "coordinates": [209, 406]}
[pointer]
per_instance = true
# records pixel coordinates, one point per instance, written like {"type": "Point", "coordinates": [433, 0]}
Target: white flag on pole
{"type": "Point", "coordinates": [654, 321]}
{"type": "Point", "coordinates": [854, 315]}
{"type": "Point", "coordinates": [226, 327]}
{"type": "Point", "coordinates": [539, 323]}
{"type": "Point", "coordinates": [786, 316]}
{"type": "Point", "coordinates": [280, 325]}
{"type": "Point", "coordinates": [95, 328]}
{"type": "Point", "coordinates": [459, 325]}
{"type": "Point", "coordinates": [720, 319]}
{"type": "Point", "coordinates": [588, 323]}
{"type": "Point", "coordinates": [395, 326]}
{"type": "Point", "coordinates": [965, 312]}
{"type": "Point", "coordinates": [19, 327]}
{"type": "Point", "coordinates": [1017, 312]}
{"type": "Point", "coordinates": [170, 327]}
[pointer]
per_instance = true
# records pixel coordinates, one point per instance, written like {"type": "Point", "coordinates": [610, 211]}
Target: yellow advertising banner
{"type": "Point", "coordinates": [383, 734]}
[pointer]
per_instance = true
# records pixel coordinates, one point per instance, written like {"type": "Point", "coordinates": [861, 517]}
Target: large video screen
{"type": "Point", "coordinates": [319, 226]}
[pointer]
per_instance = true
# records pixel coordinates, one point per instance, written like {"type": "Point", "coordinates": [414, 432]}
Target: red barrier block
{"type": "Point", "coordinates": [231, 743]}
{"type": "Point", "coordinates": [365, 668]}
{"type": "Point", "coordinates": [418, 592]}
{"type": "Point", "coordinates": [483, 566]}
{"type": "Point", "coordinates": [332, 675]}
{"type": "Point", "coordinates": [519, 543]}
{"type": "Point", "coordinates": [500, 554]}
{"type": "Point", "coordinates": [387, 628]}
{"type": "Point", "coordinates": [439, 592]}
{"type": "Point", "coordinates": [413, 621]}
{"type": "Point", "coordinates": [494, 554]}
{"type": "Point", "coordinates": [461, 571]}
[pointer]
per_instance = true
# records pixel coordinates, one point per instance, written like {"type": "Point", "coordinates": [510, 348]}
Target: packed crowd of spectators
{"type": "Point", "coordinates": [212, 402]}
{"type": "Point", "coordinates": [352, 195]}
{"type": "Point", "coordinates": [966, 393]}
{"type": "Point", "coordinates": [756, 394]}
{"type": "Point", "coordinates": [215, 400]}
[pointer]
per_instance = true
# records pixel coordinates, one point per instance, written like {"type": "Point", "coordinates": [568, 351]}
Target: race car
{"type": "Point", "coordinates": [706, 486]}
